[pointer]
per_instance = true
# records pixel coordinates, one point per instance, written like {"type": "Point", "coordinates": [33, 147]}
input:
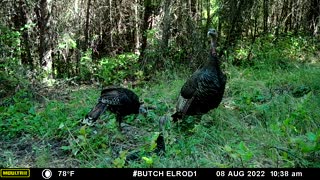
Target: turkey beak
{"type": "Point", "coordinates": [212, 33]}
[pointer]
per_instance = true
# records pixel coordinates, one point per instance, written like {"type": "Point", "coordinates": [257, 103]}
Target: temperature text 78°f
{"type": "Point", "coordinates": [66, 173]}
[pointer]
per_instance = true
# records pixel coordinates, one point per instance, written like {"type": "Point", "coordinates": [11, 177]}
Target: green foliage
{"type": "Point", "coordinates": [87, 66]}
{"type": "Point", "coordinates": [28, 26]}
{"type": "Point", "coordinates": [151, 34]}
{"type": "Point", "coordinates": [187, 49]}
{"type": "Point", "coordinates": [120, 161]}
{"type": "Point", "coordinates": [119, 68]}
{"type": "Point", "coordinates": [67, 42]}
{"type": "Point", "coordinates": [240, 152]}
{"type": "Point", "coordinates": [148, 161]}
{"type": "Point", "coordinates": [269, 117]}
{"type": "Point", "coordinates": [9, 49]}
{"type": "Point", "coordinates": [14, 118]}
{"type": "Point", "coordinates": [153, 144]}
{"type": "Point", "coordinates": [278, 52]}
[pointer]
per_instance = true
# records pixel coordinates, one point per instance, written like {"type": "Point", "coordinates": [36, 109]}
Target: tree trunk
{"type": "Point", "coordinates": [193, 9]}
{"type": "Point", "coordinates": [111, 24]}
{"type": "Point", "coordinates": [314, 17]}
{"type": "Point", "coordinates": [43, 16]}
{"type": "Point", "coordinates": [265, 16]}
{"type": "Point", "coordinates": [136, 25]}
{"type": "Point", "coordinates": [208, 23]}
{"type": "Point", "coordinates": [20, 19]}
{"type": "Point", "coordinates": [86, 31]}
{"type": "Point", "coordinates": [145, 27]}
{"type": "Point", "coordinates": [166, 27]}
{"type": "Point", "coordinates": [233, 31]}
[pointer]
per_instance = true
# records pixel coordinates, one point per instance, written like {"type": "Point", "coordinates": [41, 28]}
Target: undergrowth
{"type": "Point", "coordinates": [269, 117]}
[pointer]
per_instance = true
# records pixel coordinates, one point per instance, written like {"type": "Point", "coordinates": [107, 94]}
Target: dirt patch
{"type": "Point", "coordinates": [30, 152]}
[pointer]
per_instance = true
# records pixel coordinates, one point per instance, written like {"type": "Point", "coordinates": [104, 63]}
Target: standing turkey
{"type": "Point", "coordinates": [118, 100]}
{"type": "Point", "coordinates": [203, 91]}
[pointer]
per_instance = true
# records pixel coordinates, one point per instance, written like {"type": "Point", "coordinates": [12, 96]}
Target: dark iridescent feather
{"type": "Point", "coordinates": [204, 90]}
{"type": "Point", "coordinates": [120, 101]}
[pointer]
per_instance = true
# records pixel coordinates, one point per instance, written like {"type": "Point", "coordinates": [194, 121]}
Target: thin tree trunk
{"type": "Point", "coordinates": [41, 13]}
{"type": "Point", "coordinates": [265, 16]}
{"type": "Point", "coordinates": [136, 25]}
{"type": "Point", "coordinates": [314, 17]}
{"type": "Point", "coordinates": [111, 24]}
{"type": "Point", "coordinates": [166, 26]}
{"type": "Point", "coordinates": [200, 10]}
{"type": "Point", "coordinates": [147, 14]}
{"type": "Point", "coordinates": [231, 37]}
{"type": "Point", "coordinates": [20, 19]}
{"type": "Point", "coordinates": [193, 9]}
{"type": "Point", "coordinates": [86, 31]}
{"type": "Point", "coordinates": [43, 16]}
{"type": "Point", "coordinates": [208, 15]}
{"type": "Point", "coordinates": [208, 23]}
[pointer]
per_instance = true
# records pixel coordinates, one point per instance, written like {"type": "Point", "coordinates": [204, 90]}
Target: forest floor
{"type": "Point", "coordinates": [269, 117]}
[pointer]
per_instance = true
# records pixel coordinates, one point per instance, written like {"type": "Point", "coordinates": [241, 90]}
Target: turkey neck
{"type": "Point", "coordinates": [213, 58]}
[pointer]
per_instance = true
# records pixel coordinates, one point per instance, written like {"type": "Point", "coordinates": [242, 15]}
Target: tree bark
{"type": "Point", "coordinates": [166, 26]}
{"type": "Point", "coordinates": [86, 31]}
{"type": "Point", "coordinates": [136, 25]}
{"type": "Point", "coordinates": [20, 19]}
{"type": "Point", "coordinates": [265, 15]}
{"type": "Point", "coordinates": [148, 10]}
{"type": "Point", "coordinates": [314, 17]}
{"type": "Point", "coordinates": [111, 24]}
{"type": "Point", "coordinates": [43, 16]}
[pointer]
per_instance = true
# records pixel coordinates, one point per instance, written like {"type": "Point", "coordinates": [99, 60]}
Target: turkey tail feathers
{"type": "Point", "coordinates": [96, 112]}
{"type": "Point", "coordinates": [182, 108]}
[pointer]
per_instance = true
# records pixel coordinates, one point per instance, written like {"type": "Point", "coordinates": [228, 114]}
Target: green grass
{"type": "Point", "coordinates": [269, 117]}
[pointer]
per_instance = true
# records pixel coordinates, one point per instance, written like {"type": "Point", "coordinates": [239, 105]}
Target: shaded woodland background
{"type": "Point", "coordinates": [55, 57]}
{"type": "Point", "coordinates": [67, 39]}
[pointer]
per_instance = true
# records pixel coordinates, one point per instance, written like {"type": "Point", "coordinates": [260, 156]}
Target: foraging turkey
{"type": "Point", "coordinates": [120, 101]}
{"type": "Point", "coordinates": [161, 146]}
{"type": "Point", "coordinates": [203, 91]}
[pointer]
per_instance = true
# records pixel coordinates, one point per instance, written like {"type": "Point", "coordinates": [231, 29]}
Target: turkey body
{"type": "Point", "coordinates": [204, 90]}
{"type": "Point", "coordinates": [120, 101]}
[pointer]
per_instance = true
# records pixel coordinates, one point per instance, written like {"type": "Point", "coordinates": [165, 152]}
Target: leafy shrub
{"type": "Point", "coordinates": [9, 49]}
{"type": "Point", "coordinates": [272, 50]}
{"type": "Point", "coordinates": [87, 66]}
{"type": "Point", "coordinates": [119, 68]}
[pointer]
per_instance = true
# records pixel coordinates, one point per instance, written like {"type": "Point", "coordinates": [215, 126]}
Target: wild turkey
{"type": "Point", "coordinates": [161, 146]}
{"type": "Point", "coordinates": [120, 101]}
{"type": "Point", "coordinates": [203, 91]}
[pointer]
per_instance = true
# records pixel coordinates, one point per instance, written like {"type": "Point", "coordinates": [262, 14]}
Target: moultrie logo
{"type": "Point", "coordinates": [15, 173]}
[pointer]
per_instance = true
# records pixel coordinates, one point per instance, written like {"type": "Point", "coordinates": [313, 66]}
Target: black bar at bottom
{"type": "Point", "coordinates": [161, 173]}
